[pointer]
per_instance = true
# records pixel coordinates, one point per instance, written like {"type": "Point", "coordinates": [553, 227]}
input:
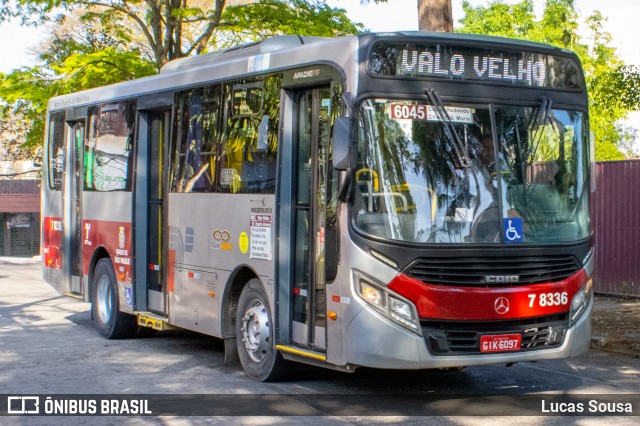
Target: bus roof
{"type": "Point", "coordinates": [270, 54]}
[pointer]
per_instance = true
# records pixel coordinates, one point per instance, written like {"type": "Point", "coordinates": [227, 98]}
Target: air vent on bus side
{"type": "Point", "coordinates": [486, 271]}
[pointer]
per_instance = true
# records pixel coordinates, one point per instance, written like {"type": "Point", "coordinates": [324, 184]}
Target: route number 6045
{"type": "Point", "coordinates": [548, 299]}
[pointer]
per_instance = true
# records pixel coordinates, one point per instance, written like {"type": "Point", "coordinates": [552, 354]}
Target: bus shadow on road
{"type": "Point", "coordinates": [81, 318]}
{"type": "Point", "coordinates": [490, 379]}
{"type": "Point", "coordinates": [527, 377]}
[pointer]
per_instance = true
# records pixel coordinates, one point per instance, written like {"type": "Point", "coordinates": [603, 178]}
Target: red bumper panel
{"type": "Point", "coordinates": [488, 303]}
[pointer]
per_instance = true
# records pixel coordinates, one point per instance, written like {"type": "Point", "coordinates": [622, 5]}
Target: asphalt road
{"type": "Point", "coordinates": [48, 346]}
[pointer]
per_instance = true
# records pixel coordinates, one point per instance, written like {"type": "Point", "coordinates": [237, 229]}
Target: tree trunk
{"type": "Point", "coordinates": [435, 15]}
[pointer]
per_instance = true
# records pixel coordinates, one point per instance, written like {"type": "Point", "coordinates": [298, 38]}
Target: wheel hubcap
{"type": "Point", "coordinates": [255, 330]}
{"type": "Point", "coordinates": [103, 299]}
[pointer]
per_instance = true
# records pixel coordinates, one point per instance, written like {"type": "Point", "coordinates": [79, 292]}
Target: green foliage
{"type": "Point", "coordinates": [174, 29]}
{"type": "Point", "coordinates": [25, 92]}
{"type": "Point", "coordinates": [499, 19]}
{"type": "Point", "coordinates": [607, 151]}
{"type": "Point", "coordinates": [86, 70]}
{"type": "Point", "coordinates": [120, 40]}
{"type": "Point", "coordinates": [276, 17]}
{"type": "Point", "coordinates": [614, 89]}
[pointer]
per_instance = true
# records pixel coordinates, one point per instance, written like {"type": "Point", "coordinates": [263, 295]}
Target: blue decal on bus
{"type": "Point", "coordinates": [512, 230]}
{"type": "Point", "coordinates": [128, 295]}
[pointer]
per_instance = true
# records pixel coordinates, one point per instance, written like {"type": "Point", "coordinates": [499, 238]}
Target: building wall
{"type": "Point", "coordinates": [616, 212]}
{"type": "Point", "coordinates": [19, 217]}
{"type": "Point", "coordinates": [20, 239]}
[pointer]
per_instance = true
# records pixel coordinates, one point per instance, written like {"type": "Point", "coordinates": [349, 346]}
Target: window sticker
{"type": "Point", "coordinates": [260, 240]}
{"type": "Point", "coordinates": [512, 228]}
{"type": "Point", "coordinates": [430, 113]}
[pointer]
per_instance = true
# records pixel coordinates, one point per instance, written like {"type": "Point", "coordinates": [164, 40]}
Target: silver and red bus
{"type": "Point", "coordinates": [402, 200]}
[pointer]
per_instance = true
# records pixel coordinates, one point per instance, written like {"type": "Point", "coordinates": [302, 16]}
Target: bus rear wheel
{"type": "Point", "coordinates": [255, 335]}
{"type": "Point", "coordinates": [111, 323]}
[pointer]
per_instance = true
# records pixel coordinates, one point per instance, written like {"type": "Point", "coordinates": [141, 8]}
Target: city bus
{"type": "Point", "coordinates": [405, 200]}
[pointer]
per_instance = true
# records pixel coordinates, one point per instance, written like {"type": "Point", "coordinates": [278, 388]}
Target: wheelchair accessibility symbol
{"type": "Point", "coordinates": [512, 230]}
{"type": "Point", "coordinates": [128, 295]}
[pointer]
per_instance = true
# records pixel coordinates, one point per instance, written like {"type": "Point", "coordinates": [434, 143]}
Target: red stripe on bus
{"type": "Point", "coordinates": [486, 303]}
{"type": "Point", "coordinates": [116, 238]}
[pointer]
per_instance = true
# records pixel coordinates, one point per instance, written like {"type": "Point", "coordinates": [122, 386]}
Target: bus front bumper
{"type": "Point", "coordinates": [374, 341]}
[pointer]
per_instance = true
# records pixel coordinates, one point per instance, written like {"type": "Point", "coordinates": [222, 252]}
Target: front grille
{"type": "Point", "coordinates": [463, 338]}
{"type": "Point", "coordinates": [473, 271]}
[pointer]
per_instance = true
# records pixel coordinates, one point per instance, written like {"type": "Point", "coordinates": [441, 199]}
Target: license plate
{"type": "Point", "coordinates": [500, 343]}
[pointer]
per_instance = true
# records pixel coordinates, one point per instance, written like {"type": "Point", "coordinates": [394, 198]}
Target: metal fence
{"type": "Point", "coordinates": [616, 212]}
{"type": "Point", "coordinates": [20, 234]}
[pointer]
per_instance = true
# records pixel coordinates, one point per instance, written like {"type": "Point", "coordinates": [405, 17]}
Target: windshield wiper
{"type": "Point", "coordinates": [544, 117]}
{"type": "Point", "coordinates": [460, 149]}
{"type": "Point", "coordinates": [537, 130]}
{"type": "Point", "coordinates": [545, 109]}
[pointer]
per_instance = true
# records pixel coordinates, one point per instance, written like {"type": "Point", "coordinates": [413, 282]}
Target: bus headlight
{"type": "Point", "coordinates": [371, 294]}
{"type": "Point", "coordinates": [580, 302]}
{"type": "Point", "coordinates": [390, 304]}
{"type": "Point", "coordinates": [401, 311]}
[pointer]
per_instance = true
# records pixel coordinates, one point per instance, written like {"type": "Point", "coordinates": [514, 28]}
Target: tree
{"type": "Point", "coordinates": [267, 18]}
{"type": "Point", "coordinates": [177, 28]}
{"type": "Point", "coordinates": [433, 15]}
{"type": "Point", "coordinates": [79, 55]}
{"type": "Point", "coordinates": [628, 137]}
{"type": "Point", "coordinates": [13, 130]}
{"type": "Point", "coordinates": [99, 42]}
{"type": "Point", "coordinates": [172, 28]}
{"type": "Point", "coordinates": [614, 89]}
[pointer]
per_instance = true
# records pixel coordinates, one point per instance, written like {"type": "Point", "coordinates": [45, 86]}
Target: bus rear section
{"type": "Point", "coordinates": [88, 207]}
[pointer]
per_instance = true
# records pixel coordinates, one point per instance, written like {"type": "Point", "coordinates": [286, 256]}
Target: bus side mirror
{"type": "Point", "coordinates": [341, 143]}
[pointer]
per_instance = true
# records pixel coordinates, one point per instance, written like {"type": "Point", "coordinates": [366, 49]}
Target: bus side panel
{"type": "Point", "coordinates": [210, 237]}
{"type": "Point", "coordinates": [107, 224]}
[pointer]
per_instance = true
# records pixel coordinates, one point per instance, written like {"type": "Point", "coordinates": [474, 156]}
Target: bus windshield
{"type": "Point", "coordinates": [429, 174]}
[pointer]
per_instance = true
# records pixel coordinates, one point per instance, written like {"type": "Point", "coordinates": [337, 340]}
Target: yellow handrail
{"type": "Point", "coordinates": [376, 182]}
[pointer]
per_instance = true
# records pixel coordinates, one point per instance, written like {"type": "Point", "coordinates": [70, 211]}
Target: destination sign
{"type": "Point", "coordinates": [414, 60]}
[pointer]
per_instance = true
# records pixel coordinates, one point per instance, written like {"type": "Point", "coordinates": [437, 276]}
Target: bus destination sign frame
{"type": "Point", "coordinates": [502, 66]}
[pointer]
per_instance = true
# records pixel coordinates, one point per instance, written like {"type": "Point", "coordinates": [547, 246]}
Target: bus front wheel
{"type": "Point", "coordinates": [255, 335]}
{"type": "Point", "coordinates": [111, 323]}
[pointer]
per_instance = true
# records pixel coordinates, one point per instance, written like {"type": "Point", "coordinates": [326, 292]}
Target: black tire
{"type": "Point", "coordinates": [255, 336]}
{"type": "Point", "coordinates": [110, 322]}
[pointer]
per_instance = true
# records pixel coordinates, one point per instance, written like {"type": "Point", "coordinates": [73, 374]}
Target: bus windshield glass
{"type": "Point", "coordinates": [445, 174]}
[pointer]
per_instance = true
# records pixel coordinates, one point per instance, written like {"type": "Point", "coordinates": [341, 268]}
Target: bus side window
{"type": "Point", "coordinates": [196, 141]}
{"type": "Point", "coordinates": [56, 150]}
{"type": "Point", "coordinates": [108, 146]}
{"type": "Point", "coordinates": [249, 151]}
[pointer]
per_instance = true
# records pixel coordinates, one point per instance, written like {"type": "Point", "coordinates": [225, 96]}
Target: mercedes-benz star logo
{"type": "Point", "coordinates": [502, 305]}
